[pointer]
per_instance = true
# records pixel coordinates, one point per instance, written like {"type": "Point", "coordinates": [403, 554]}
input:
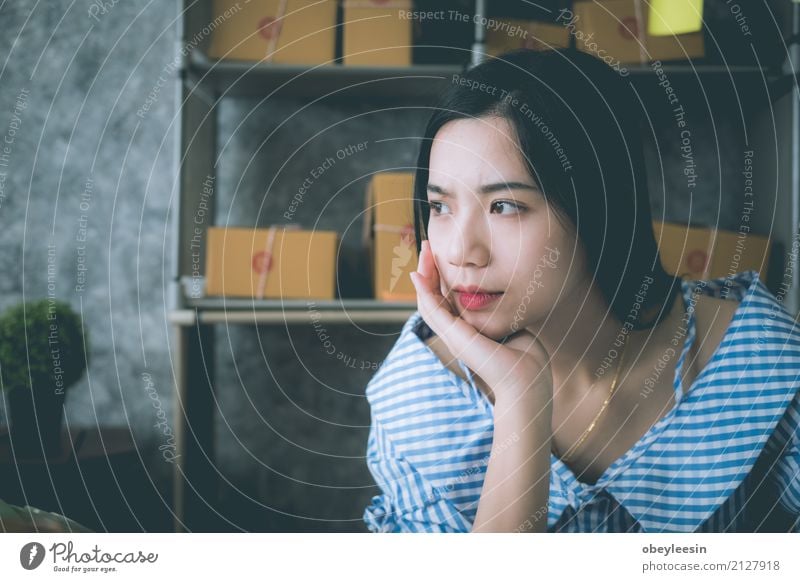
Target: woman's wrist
{"type": "Point", "coordinates": [517, 480]}
{"type": "Point", "coordinates": [536, 394]}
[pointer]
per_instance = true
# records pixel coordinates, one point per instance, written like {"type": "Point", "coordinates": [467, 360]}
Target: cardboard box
{"type": "Point", "coordinates": [440, 36]}
{"type": "Point", "coordinates": [684, 251]}
{"type": "Point", "coordinates": [532, 34]}
{"type": "Point", "coordinates": [279, 262]}
{"type": "Point", "coordinates": [619, 27]}
{"type": "Point", "coordinates": [703, 253]}
{"type": "Point", "coordinates": [735, 252]}
{"type": "Point", "coordinates": [389, 235]}
{"type": "Point", "coordinates": [376, 33]}
{"type": "Point", "coordinates": [304, 33]}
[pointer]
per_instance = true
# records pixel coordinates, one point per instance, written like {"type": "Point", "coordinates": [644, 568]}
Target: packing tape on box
{"type": "Point", "coordinates": [272, 42]}
{"type": "Point", "coordinates": [268, 244]}
{"type": "Point", "coordinates": [405, 231]}
{"type": "Point", "coordinates": [640, 32]}
{"type": "Point", "coordinates": [390, 227]}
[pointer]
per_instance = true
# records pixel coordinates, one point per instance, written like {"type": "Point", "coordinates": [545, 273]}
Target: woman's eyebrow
{"type": "Point", "coordinates": [488, 188]}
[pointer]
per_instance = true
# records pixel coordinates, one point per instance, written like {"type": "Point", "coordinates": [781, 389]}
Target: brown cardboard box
{"type": "Point", "coordinates": [702, 253]}
{"type": "Point", "coordinates": [684, 251]}
{"type": "Point", "coordinates": [376, 33]}
{"type": "Point", "coordinates": [619, 27]}
{"type": "Point", "coordinates": [389, 235]}
{"type": "Point", "coordinates": [304, 34]}
{"type": "Point", "coordinates": [735, 252]}
{"type": "Point", "coordinates": [530, 34]}
{"type": "Point", "coordinates": [293, 263]}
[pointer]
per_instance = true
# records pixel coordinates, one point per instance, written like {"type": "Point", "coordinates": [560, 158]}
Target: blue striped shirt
{"type": "Point", "coordinates": [732, 439]}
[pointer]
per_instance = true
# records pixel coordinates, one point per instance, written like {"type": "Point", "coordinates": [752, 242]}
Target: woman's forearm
{"type": "Point", "coordinates": [516, 488]}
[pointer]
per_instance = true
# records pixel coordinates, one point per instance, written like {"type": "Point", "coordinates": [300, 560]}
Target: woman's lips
{"type": "Point", "coordinates": [474, 301]}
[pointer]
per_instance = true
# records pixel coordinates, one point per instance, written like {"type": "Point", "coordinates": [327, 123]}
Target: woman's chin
{"type": "Point", "coordinates": [489, 322]}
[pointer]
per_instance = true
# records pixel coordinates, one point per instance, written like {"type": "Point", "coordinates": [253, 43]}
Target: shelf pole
{"type": "Point", "coordinates": [195, 475]}
{"type": "Point", "coordinates": [793, 299]}
{"type": "Point", "coordinates": [479, 46]}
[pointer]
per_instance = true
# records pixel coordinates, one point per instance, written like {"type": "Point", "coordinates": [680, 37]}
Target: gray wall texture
{"type": "Point", "coordinates": [292, 422]}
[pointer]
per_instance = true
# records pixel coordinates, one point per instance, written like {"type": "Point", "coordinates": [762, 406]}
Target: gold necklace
{"type": "Point", "coordinates": [566, 456]}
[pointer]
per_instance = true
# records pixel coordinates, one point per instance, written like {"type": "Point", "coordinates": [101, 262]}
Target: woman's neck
{"type": "Point", "coordinates": [581, 335]}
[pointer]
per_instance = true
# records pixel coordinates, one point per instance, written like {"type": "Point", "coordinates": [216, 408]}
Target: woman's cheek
{"type": "Point", "coordinates": [534, 294]}
{"type": "Point", "coordinates": [523, 308]}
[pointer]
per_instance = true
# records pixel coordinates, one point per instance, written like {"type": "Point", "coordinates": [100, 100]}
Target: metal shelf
{"type": "Point", "coordinates": [704, 71]}
{"type": "Point", "coordinates": [213, 310]}
{"type": "Point", "coordinates": [417, 83]}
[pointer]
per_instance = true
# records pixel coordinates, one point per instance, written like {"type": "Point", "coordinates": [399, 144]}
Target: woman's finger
{"type": "Point", "coordinates": [477, 351]}
{"type": "Point", "coordinates": [427, 264]}
{"type": "Point", "coordinates": [431, 280]}
{"type": "Point", "coordinates": [433, 306]}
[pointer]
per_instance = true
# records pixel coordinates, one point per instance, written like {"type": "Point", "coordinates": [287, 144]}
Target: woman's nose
{"type": "Point", "coordinates": [469, 243]}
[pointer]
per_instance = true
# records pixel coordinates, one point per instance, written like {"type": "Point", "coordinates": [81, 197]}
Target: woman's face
{"type": "Point", "coordinates": [491, 228]}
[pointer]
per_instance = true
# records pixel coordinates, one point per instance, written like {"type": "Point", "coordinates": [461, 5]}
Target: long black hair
{"type": "Point", "coordinates": [578, 127]}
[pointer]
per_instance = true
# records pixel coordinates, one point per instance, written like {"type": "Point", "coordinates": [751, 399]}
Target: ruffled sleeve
{"type": "Point", "coordinates": [744, 396]}
{"type": "Point", "coordinates": [407, 502]}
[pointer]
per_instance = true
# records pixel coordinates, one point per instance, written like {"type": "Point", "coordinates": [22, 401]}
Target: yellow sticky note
{"type": "Point", "coordinates": [668, 17]}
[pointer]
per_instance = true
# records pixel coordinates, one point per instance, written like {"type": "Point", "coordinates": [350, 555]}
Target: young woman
{"type": "Point", "coordinates": [555, 377]}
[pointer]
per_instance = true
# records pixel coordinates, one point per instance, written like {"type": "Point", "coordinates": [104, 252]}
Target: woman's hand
{"type": "Point", "coordinates": [516, 484]}
{"type": "Point", "coordinates": [511, 370]}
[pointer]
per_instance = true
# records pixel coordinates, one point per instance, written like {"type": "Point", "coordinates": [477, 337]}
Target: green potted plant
{"type": "Point", "coordinates": [42, 354]}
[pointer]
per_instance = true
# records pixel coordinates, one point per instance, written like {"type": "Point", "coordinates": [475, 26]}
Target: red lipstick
{"type": "Point", "coordinates": [473, 297]}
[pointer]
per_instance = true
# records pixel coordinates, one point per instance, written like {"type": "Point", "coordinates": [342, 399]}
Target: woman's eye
{"type": "Point", "coordinates": [436, 207]}
{"type": "Point", "coordinates": [506, 207]}
{"type": "Point", "coordinates": [514, 208]}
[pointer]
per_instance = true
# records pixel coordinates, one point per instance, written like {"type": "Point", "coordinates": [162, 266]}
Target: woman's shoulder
{"type": "Point", "coordinates": [730, 414]}
{"type": "Point", "coordinates": [741, 296]}
{"type": "Point", "coordinates": [713, 317]}
{"type": "Point", "coordinates": [738, 319]}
